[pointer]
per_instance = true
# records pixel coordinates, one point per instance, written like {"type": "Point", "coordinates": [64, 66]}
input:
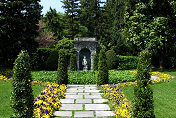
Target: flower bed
{"type": "Point", "coordinates": [48, 100]}
{"type": "Point", "coordinates": [120, 102]}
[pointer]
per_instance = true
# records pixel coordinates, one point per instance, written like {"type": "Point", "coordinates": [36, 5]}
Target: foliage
{"type": "Point", "coordinates": [143, 95]}
{"type": "Point", "coordinates": [52, 61]}
{"type": "Point", "coordinates": [102, 69]}
{"type": "Point", "coordinates": [54, 22]}
{"type": "Point", "coordinates": [18, 27]}
{"type": "Point", "coordinates": [95, 62]}
{"type": "Point", "coordinates": [39, 58]}
{"type": "Point", "coordinates": [62, 75]}
{"type": "Point", "coordinates": [127, 62]}
{"type": "Point", "coordinates": [73, 62]}
{"type": "Point", "coordinates": [72, 22]}
{"type": "Point", "coordinates": [111, 59]}
{"type": "Point", "coordinates": [22, 97]}
{"type": "Point", "coordinates": [151, 25]}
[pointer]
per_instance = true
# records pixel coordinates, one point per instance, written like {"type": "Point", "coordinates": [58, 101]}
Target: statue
{"type": "Point", "coordinates": [84, 63]}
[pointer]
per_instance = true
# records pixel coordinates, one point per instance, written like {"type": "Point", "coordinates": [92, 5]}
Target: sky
{"type": "Point", "coordinates": [54, 4]}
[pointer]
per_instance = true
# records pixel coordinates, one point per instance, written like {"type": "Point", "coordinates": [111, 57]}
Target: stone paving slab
{"type": "Point", "coordinates": [74, 96]}
{"type": "Point", "coordinates": [84, 101]}
{"type": "Point", "coordinates": [96, 107]}
{"type": "Point", "coordinates": [83, 114]}
{"type": "Point", "coordinates": [91, 85]}
{"type": "Point", "coordinates": [104, 113]}
{"type": "Point", "coordinates": [83, 93]}
{"type": "Point", "coordinates": [96, 93]}
{"type": "Point", "coordinates": [67, 101]}
{"type": "Point", "coordinates": [71, 107]}
{"type": "Point", "coordinates": [70, 93]}
{"type": "Point", "coordinates": [92, 91]}
{"type": "Point", "coordinates": [74, 91]}
{"type": "Point", "coordinates": [63, 113]}
{"type": "Point", "coordinates": [92, 96]}
{"type": "Point", "coordinates": [100, 100]}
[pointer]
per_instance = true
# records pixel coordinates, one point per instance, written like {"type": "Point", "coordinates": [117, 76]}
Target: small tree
{"type": "Point", "coordinates": [95, 62]}
{"type": "Point", "coordinates": [73, 64]}
{"type": "Point", "coordinates": [102, 69]}
{"type": "Point", "coordinates": [62, 74]}
{"type": "Point", "coordinates": [143, 100]}
{"type": "Point", "coordinates": [111, 59]}
{"type": "Point", "coordinates": [22, 97]}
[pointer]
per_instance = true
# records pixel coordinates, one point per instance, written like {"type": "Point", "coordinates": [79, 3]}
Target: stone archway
{"type": "Point", "coordinates": [85, 46]}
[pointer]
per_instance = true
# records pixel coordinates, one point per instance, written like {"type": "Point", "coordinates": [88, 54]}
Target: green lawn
{"type": "Point", "coordinates": [164, 97]}
{"type": "Point", "coordinates": [88, 77]}
{"type": "Point", "coordinates": [5, 93]}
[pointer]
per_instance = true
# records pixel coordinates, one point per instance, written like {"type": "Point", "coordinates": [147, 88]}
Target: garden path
{"type": "Point", "coordinates": [83, 101]}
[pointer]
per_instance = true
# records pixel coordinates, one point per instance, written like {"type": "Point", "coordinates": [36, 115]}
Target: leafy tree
{"type": "Point", "coordinates": [72, 22]}
{"type": "Point", "coordinates": [18, 27]}
{"type": "Point", "coordinates": [143, 95]}
{"type": "Point", "coordinates": [54, 22]}
{"type": "Point", "coordinates": [151, 25]}
{"type": "Point", "coordinates": [22, 97]}
{"type": "Point", "coordinates": [102, 69]}
{"type": "Point", "coordinates": [62, 74]}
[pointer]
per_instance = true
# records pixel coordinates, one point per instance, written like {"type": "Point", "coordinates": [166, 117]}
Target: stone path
{"type": "Point", "coordinates": [83, 101]}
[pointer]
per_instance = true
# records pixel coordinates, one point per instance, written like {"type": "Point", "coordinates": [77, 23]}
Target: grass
{"type": "Point", "coordinates": [5, 93]}
{"type": "Point", "coordinates": [88, 77]}
{"type": "Point", "coordinates": [164, 97]}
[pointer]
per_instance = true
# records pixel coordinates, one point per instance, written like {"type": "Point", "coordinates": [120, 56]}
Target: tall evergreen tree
{"type": "Point", "coordinates": [72, 22]}
{"type": "Point", "coordinates": [18, 27]}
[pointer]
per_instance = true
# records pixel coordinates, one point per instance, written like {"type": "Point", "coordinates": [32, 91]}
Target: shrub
{"type": "Point", "coordinates": [22, 97]}
{"type": "Point", "coordinates": [52, 61]}
{"type": "Point", "coordinates": [102, 69]}
{"type": "Point", "coordinates": [39, 58]}
{"type": "Point", "coordinates": [62, 75]}
{"type": "Point", "coordinates": [143, 95]}
{"type": "Point", "coordinates": [111, 59]}
{"type": "Point", "coordinates": [95, 62]}
{"type": "Point", "coordinates": [73, 62]}
{"type": "Point", "coordinates": [127, 62]}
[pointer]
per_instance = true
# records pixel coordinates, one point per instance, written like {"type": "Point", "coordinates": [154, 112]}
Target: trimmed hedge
{"type": "Point", "coordinates": [22, 97]}
{"type": "Point", "coordinates": [62, 72]}
{"type": "Point", "coordinates": [111, 59]}
{"type": "Point", "coordinates": [143, 106]}
{"type": "Point", "coordinates": [127, 62]}
{"type": "Point", "coordinates": [52, 60]}
{"type": "Point", "coordinates": [95, 62]}
{"type": "Point", "coordinates": [73, 64]}
{"type": "Point", "coordinates": [103, 75]}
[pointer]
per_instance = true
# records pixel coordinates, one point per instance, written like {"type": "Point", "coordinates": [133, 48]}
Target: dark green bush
{"type": "Point", "coordinates": [127, 62]}
{"type": "Point", "coordinates": [102, 69]}
{"type": "Point", "coordinates": [39, 58]}
{"type": "Point", "coordinates": [112, 61]}
{"type": "Point", "coordinates": [143, 95]}
{"type": "Point", "coordinates": [62, 74]}
{"type": "Point", "coordinates": [95, 62]}
{"type": "Point", "coordinates": [22, 97]}
{"type": "Point", "coordinates": [52, 61]}
{"type": "Point", "coordinates": [73, 62]}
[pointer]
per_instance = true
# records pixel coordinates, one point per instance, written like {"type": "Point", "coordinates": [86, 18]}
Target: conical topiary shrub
{"type": "Point", "coordinates": [95, 62]}
{"type": "Point", "coordinates": [62, 75]}
{"type": "Point", "coordinates": [22, 97]}
{"type": "Point", "coordinates": [102, 69]}
{"type": "Point", "coordinates": [143, 95]}
{"type": "Point", "coordinates": [111, 59]}
{"type": "Point", "coordinates": [73, 64]}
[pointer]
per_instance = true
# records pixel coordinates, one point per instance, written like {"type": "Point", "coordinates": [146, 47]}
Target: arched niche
{"type": "Point", "coordinates": [85, 46]}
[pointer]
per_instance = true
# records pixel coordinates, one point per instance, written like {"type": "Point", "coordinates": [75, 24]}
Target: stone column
{"type": "Point", "coordinates": [77, 60]}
